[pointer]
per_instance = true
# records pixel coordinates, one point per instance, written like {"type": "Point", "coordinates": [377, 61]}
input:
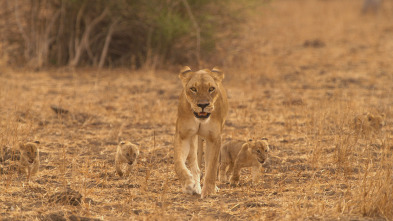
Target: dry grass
{"type": "Point", "coordinates": [302, 96]}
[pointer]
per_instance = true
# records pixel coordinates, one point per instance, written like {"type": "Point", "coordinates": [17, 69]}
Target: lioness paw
{"type": "Point", "coordinates": [198, 189]}
{"type": "Point", "coordinates": [191, 188]}
{"type": "Point", "coordinates": [207, 191]}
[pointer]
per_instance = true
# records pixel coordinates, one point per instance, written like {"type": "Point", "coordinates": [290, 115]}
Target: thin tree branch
{"type": "Point", "coordinates": [197, 32]}
{"type": "Point", "coordinates": [106, 45]}
{"type": "Point", "coordinates": [20, 27]}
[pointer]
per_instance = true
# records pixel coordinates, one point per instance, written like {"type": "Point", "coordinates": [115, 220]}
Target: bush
{"type": "Point", "coordinates": [99, 33]}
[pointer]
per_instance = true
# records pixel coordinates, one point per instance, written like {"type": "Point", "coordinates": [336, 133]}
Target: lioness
{"type": "Point", "coordinates": [238, 154]}
{"type": "Point", "coordinates": [202, 110]}
{"type": "Point", "coordinates": [29, 158]}
{"type": "Point", "coordinates": [127, 152]}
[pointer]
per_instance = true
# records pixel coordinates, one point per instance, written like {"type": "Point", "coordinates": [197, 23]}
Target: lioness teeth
{"type": "Point", "coordinates": [202, 114]}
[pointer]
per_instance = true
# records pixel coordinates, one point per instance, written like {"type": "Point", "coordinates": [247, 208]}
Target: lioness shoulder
{"type": "Point", "coordinates": [126, 153]}
{"type": "Point", "coordinates": [235, 155]}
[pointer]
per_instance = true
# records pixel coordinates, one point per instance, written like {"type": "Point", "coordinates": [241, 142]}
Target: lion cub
{"type": "Point", "coordinates": [368, 124]}
{"type": "Point", "coordinates": [235, 155]}
{"type": "Point", "coordinates": [29, 158]}
{"type": "Point", "coordinates": [127, 152]}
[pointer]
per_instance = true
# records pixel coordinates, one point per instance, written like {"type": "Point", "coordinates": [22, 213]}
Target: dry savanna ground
{"type": "Point", "coordinates": [299, 74]}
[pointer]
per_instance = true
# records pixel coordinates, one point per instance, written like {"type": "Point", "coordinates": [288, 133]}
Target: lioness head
{"type": "Point", "coordinates": [29, 151]}
{"type": "Point", "coordinates": [201, 89]}
{"type": "Point", "coordinates": [259, 149]}
{"type": "Point", "coordinates": [129, 151]}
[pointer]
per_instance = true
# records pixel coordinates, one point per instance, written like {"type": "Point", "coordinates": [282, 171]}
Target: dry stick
{"type": "Point", "coordinates": [197, 31]}
{"type": "Point", "coordinates": [106, 44]}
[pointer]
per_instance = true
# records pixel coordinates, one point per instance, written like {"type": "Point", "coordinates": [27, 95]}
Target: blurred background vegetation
{"type": "Point", "coordinates": [120, 33]}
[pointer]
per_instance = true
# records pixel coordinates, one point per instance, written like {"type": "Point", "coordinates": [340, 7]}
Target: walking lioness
{"type": "Point", "coordinates": [202, 110]}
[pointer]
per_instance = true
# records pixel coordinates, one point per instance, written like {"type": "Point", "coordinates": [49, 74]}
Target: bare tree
{"type": "Point", "coordinates": [81, 44]}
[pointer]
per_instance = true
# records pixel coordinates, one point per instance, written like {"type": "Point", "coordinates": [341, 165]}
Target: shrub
{"type": "Point", "coordinates": [99, 33]}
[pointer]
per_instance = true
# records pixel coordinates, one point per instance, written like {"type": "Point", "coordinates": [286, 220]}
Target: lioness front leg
{"type": "Point", "coordinates": [212, 151]}
{"type": "Point", "coordinates": [194, 165]}
{"type": "Point", "coordinates": [182, 148]}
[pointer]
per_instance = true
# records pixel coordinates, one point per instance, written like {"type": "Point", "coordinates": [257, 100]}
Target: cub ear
{"type": "Point", "coordinates": [37, 142]}
{"type": "Point", "coordinates": [264, 138]}
{"type": "Point", "coordinates": [21, 145]}
{"type": "Point", "coordinates": [122, 142]}
{"type": "Point", "coordinates": [217, 74]}
{"type": "Point", "coordinates": [185, 74]}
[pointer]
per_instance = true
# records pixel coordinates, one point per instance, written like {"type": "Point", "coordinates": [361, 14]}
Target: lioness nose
{"type": "Point", "coordinates": [203, 105]}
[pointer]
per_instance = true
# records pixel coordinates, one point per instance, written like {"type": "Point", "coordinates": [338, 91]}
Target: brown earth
{"type": "Point", "coordinates": [298, 74]}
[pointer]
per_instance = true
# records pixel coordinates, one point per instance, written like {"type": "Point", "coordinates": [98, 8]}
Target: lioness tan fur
{"type": "Point", "coordinates": [202, 111]}
{"type": "Point", "coordinates": [126, 153]}
{"type": "Point", "coordinates": [29, 158]}
{"type": "Point", "coordinates": [239, 154]}
{"type": "Point", "coordinates": [368, 123]}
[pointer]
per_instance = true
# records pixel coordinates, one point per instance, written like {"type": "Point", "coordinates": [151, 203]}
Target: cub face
{"type": "Point", "coordinates": [369, 123]}
{"type": "Point", "coordinates": [375, 121]}
{"type": "Point", "coordinates": [201, 90]}
{"type": "Point", "coordinates": [259, 149]}
{"type": "Point", "coordinates": [29, 152]}
{"type": "Point", "coordinates": [129, 151]}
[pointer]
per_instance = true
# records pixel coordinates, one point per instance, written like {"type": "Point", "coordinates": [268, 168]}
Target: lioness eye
{"type": "Point", "coordinates": [266, 151]}
{"type": "Point", "coordinates": [211, 89]}
{"type": "Point", "coordinates": [193, 89]}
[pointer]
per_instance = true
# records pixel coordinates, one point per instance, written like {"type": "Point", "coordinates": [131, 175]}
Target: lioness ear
{"type": "Point", "coordinates": [217, 74]}
{"type": "Point", "coordinates": [37, 142]}
{"type": "Point", "coordinates": [184, 75]}
{"type": "Point", "coordinates": [122, 142]}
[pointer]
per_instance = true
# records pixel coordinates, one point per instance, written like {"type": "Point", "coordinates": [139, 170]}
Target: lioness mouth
{"type": "Point", "coordinates": [202, 115]}
{"type": "Point", "coordinates": [130, 163]}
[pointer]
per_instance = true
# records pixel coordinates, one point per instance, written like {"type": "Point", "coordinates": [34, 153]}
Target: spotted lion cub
{"type": "Point", "coordinates": [238, 154]}
{"type": "Point", "coordinates": [29, 158]}
{"type": "Point", "coordinates": [127, 152]}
